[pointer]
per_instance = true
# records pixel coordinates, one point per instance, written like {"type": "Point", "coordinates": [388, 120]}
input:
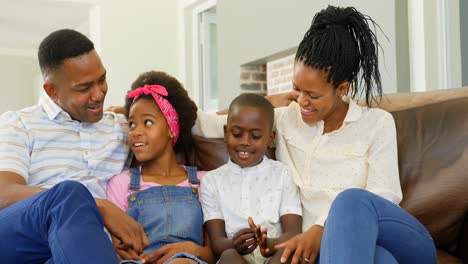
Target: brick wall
{"type": "Point", "coordinates": [279, 74]}
{"type": "Point", "coordinates": [253, 79]}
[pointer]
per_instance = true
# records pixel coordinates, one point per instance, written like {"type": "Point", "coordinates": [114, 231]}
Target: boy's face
{"type": "Point", "coordinates": [247, 134]}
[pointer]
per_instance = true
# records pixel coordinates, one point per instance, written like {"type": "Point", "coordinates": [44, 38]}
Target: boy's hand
{"type": "Point", "coordinates": [245, 241]}
{"type": "Point", "coordinates": [261, 238]}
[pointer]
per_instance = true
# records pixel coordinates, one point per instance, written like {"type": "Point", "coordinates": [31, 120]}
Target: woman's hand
{"type": "Point", "coordinates": [304, 248]}
{"type": "Point", "coordinates": [164, 253]}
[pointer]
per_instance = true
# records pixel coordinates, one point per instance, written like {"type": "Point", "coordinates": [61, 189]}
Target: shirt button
{"type": "Point", "coordinates": [89, 173]}
{"type": "Point", "coordinates": [132, 198]}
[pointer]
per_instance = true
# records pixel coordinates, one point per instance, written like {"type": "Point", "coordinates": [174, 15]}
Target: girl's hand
{"type": "Point", "coordinates": [304, 247]}
{"type": "Point", "coordinates": [164, 253]}
{"type": "Point", "coordinates": [245, 241]}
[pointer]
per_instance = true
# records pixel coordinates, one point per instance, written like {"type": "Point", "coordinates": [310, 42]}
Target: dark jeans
{"type": "Point", "coordinates": [59, 225]}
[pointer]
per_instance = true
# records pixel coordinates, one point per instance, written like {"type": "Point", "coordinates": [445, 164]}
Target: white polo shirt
{"type": "Point", "coordinates": [265, 192]}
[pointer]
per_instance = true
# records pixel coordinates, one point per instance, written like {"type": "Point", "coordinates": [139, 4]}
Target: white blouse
{"type": "Point", "coordinates": [360, 154]}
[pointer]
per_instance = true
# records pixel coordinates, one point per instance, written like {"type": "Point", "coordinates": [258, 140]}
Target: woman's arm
{"type": "Point", "coordinates": [383, 176]}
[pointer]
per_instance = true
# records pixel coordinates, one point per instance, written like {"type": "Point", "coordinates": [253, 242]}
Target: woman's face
{"type": "Point", "coordinates": [315, 95]}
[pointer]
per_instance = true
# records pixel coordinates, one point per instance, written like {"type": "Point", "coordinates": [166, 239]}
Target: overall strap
{"type": "Point", "coordinates": [134, 179]}
{"type": "Point", "coordinates": [192, 174]}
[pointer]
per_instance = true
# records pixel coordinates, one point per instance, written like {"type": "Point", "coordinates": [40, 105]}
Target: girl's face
{"type": "Point", "coordinates": [315, 95]}
{"type": "Point", "coordinates": [149, 136]}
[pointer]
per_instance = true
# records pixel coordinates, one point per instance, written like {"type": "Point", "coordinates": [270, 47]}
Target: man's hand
{"type": "Point", "coordinates": [124, 228]}
{"type": "Point", "coordinates": [304, 248]}
{"type": "Point", "coordinates": [125, 254]}
{"type": "Point", "coordinates": [162, 254]}
{"type": "Point", "coordinates": [245, 241]}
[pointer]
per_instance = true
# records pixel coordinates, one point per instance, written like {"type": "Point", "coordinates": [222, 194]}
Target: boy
{"type": "Point", "coordinates": [250, 187]}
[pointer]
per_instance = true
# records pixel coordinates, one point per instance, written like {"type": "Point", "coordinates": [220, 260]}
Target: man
{"type": "Point", "coordinates": [56, 156]}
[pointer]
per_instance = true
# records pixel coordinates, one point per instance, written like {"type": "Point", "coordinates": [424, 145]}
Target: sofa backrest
{"type": "Point", "coordinates": [433, 165]}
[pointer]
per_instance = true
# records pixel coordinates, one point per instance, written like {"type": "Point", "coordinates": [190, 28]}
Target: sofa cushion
{"type": "Point", "coordinates": [433, 164]}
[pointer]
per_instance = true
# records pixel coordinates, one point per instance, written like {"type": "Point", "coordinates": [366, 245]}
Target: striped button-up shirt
{"type": "Point", "coordinates": [45, 146]}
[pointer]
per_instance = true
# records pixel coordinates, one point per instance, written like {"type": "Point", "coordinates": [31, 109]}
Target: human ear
{"type": "Point", "coordinates": [51, 90]}
{"type": "Point", "coordinates": [271, 140]}
{"type": "Point", "coordinates": [342, 89]}
{"type": "Point", "coordinates": [225, 132]}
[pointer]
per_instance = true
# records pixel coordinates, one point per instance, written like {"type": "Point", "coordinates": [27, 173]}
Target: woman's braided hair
{"type": "Point", "coordinates": [341, 42]}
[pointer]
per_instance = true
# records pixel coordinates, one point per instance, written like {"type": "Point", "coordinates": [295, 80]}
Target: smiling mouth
{"type": "Point", "coordinates": [137, 146]}
{"type": "Point", "coordinates": [244, 154]}
{"type": "Point", "coordinates": [95, 108]}
{"type": "Point", "coordinates": [307, 111]}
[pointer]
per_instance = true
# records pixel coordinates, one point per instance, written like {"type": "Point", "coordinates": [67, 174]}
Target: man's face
{"type": "Point", "coordinates": [79, 87]}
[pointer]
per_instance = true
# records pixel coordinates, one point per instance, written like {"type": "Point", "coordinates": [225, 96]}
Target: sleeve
{"type": "Point", "coordinates": [210, 199]}
{"type": "Point", "coordinates": [383, 176]}
{"type": "Point", "coordinates": [15, 146]}
{"type": "Point", "coordinates": [116, 191]}
{"type": "Point", "coordinates": [290, 199]}
{"type": "Point", "coordinates": [209, 125]}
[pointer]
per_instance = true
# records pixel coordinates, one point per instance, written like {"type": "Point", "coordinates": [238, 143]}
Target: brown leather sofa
{"type": "Point", "coordinates": [432, 130]}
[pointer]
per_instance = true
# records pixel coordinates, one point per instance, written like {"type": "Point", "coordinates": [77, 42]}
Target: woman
{"type": "Point", "coordinates": [343, 157]}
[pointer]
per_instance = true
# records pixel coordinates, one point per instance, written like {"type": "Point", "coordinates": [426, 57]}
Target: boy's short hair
{"type": "Point", "coordinates": [256, 101]}
{"type": "Point", "coordinates": [61, 45]}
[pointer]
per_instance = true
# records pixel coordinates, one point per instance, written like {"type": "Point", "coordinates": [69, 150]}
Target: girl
{"type": "Point", "coordinates": [343, 157]}
{"type": "Point", "coordinates": [160, 194]}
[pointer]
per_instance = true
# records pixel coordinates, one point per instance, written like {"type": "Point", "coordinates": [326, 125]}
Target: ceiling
{"type": "Point", "coordinates": [24, 23]}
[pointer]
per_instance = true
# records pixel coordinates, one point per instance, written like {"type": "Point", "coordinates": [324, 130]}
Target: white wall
{"type": "Point", "coordinates": [464, 40]}
{"type": "Point", "coordinates": [18, 82]}
{"type": "Point", "coordinates": [249, 30]}
{"type": "Point", "coordinates": [136, 36]}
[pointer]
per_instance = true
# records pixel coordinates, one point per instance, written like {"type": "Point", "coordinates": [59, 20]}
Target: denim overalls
{"type": "Point", "coordinates": [168, 214]}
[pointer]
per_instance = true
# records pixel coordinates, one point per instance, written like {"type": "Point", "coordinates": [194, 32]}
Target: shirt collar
{"type": "Point", "coordinates": [236, 168]}
{"type": "Point", "coordinates": [51, 108]}
{"type": "Point", "coordinates": [354, 110]}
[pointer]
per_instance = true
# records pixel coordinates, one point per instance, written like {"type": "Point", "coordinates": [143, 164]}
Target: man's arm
{"type": "Point", "coordinates": [13, 188]}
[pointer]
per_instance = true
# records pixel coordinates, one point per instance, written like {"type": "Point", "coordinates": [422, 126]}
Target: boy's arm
{"type": "Point", "coordinates": [217, 235]}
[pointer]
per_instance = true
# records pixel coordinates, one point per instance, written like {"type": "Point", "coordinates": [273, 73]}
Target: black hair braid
{"type": "Point", "coordinates": [340, 42]}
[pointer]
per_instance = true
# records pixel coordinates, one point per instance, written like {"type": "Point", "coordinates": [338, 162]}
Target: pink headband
{"type": "Point", "coordinates": [158, 91]}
